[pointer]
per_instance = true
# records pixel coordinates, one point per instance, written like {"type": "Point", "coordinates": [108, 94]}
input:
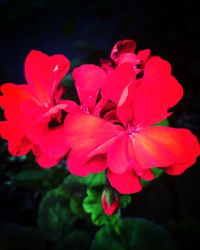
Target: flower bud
{"type": "Point", "coordinates": [110, 201]}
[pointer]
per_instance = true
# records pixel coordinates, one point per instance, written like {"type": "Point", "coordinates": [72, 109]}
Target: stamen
{"type": "Point", "coordinates": [84, 109]}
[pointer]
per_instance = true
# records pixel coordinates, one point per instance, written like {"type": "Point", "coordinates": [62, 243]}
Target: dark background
{"type": "Point", "coordinates": [85, 31]}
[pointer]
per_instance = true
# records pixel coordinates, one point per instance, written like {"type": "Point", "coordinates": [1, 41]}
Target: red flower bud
{"type": "Point", "coordinates": [110, 202]}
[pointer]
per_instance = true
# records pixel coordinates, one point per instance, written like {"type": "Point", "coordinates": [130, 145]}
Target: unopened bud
{"type": "Point", "coordinates": [110, 201]}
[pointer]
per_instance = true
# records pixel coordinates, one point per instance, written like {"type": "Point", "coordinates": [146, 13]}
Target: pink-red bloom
{"type": "Point", "coordinates": [112, 128]}
{"type": "Point", "coordinates": [124, 140]}
{"type": "Point", "coordinates": [34, 111]}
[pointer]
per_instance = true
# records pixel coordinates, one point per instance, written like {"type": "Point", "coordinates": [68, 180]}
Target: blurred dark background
{"type": "Point", "coordinates": [85, 31]}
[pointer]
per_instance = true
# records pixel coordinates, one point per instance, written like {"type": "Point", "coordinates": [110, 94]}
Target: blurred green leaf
{"type": "Point", "coordinates": [75, 192]}
{"type": "Point", "coordinates": [72, 187]}
{"type": "Point", "coordinates": [125, 200]}
{"type": "Point", "coordinates": [54, 214]}
{"type": "Point", "coordinates": [162, 123]}
{"type": "Point", "coordinates": [16, 237]}
{"type": "Point", "coordinates": [92, 205]}
{"type": "Point", "coordinates": [28, 177]}
{"type": "Point", "coordinates": [93, 180]}
{"type": "Point", "coordinates": [37, 178]}
{"type": "Point", "coordinates": [76, 206]}
{"type": "Point", "coordinates": [133, 233]}
{"type": "Point", "coordinates": [75, 239]}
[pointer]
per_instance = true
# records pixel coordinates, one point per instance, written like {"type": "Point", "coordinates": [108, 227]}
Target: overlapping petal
{"type": "Point", "coordinates": [96, 164]}
{"type": "Point", "coordinates": [43, 74]}
{"type": "Point", "coordinates": [122, 47]}
{"type": "Point", "coordinates": [43, 160]}
{"type": "Point", "coordinates": [119, 160]}
{"type": "Point", "coordinates": [164, 147]}
{"type": "Point", "coordinates": [12, 97]}
{"type": "Point", "coordinates": [125, 183]}
{"type": "Point", "coordinates": [88, 79]}
{"type": "Point", "coordinates": [147, 101]}
{"type": "Point", "coordinates": [117, 80]}
{"type": "Point", "coordinates": [18, 143]}
{"type": "Point", "coordinates": [89, 135]}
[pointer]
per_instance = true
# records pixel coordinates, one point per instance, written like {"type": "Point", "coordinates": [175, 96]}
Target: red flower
{"type": "Point", "coordinates": [34, 111]}
{"type": "Point", "coordinates": [128, 143]}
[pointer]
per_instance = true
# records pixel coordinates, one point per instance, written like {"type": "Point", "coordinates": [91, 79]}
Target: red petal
{"type": "Point", "coordinates": [53, 143]}
{"type": "Point", "coordinates": [118, 158]}
{"type": "Point", "coordinates": [96, 164]}
{"type": "Point", "coordinates": [88, 80]}
{"type": "Point", "coordinates": [88, 135]}
{"type": "Point", "coordinates": [156, 67]}
{"type": "Point", "coordinates": [43, 160]}
{"type": "Point", "coordinates": [144, 54]}
{"type": "Point", "coordinates": [128, 58]}
{"type": "Point", "coordinates": [71, 106]}
{"type": "Point", "coordinates": [124, 46]}
{"type": "Point", "coordinates": [117, 80]}
{"type": "Point", "coordinates": [177, 169]}
{"type": "Point", "coordinates": [12, 99]}
{"type": "Point", "coordinates": [44, 73]}
{"type": "Point", "coordinates": [18, 144]}
{"type": "Point", "coordinates": [147, 174]}
{"type": "Point", "coordinates": [147, 101]}
{"type": "Point", "coordinates": [33, 122]}
{"type": "Point", "coordinates": [164, 146]}
{"type": "Point", "coordinates": [126, 183]}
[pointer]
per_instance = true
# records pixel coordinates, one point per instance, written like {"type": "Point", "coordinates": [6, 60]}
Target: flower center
{"type": "Point", "coordinates": [58, 119]}
{"type": "Point", "coordinates": [84, 109]}
{"type": "Point", "coordinates": [130, 128]}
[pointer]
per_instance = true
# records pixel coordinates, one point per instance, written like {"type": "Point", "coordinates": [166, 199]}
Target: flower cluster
{"type": "Point", "coordinates": [111, 129]}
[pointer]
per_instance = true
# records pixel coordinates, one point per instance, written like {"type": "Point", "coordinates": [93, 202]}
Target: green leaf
{"type": "Point", "coordinates": [133, 233]}
{"type": "Point", "coordinates": [76, 206]}
{"type": "Point", "coordinates": [37, 178]}
{"type": "Point", "coordinates": [54, 214]}
{"type": "Point", "coordinates": [92, 205]}
{"type": "Point", "coordinates": [14, 237]}
{"type": "Point", "coordinates": [30, 177]}
{"type": "Point", "coordinates": [93, 180]}
{"type": "Point", "coordinates": [162, 123]}
{"type": "Point", "coordinates": [71, 187]}
{"type": "Point", "coordinates": [75, 192]}
{"type": "Point", "coordinates": [125, 200]}
{"type": "Point", "coordinates": [75, 239]}
{"type": "Point", "coordinates": [157, 172]}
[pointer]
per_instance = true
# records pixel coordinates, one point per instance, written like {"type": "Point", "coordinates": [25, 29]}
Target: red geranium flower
{"type": "Point", "coordinates": [131, 144]}
{"type": "Point", "coordinates": [34, 112]}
